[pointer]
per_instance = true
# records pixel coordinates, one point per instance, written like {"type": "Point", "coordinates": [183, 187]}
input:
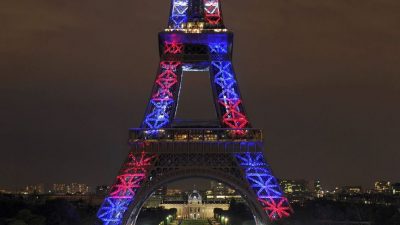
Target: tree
{"type": "Point", "coordinates": [17, 222]}
{"type": "Point", "coordinates": [60, 212]}
{"type": "Point", "coordinates": [25, 216]}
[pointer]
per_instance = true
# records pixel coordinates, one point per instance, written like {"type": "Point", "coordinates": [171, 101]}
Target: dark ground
{"type": "Point", "coordinates": [38, 211]}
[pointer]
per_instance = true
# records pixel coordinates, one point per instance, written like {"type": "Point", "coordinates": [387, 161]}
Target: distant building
{"type": "Point", "coordinates": [73, 188]}
{"type": "Point", "coordinates": [351, 190]}
{"type": "Point", "coordinates": [296, 190]}
{"type": "Point", "coordinates": [218, 188]}
{"type": "Point", "coordinates": [173, 192]}
{"type": "Point", "coordinates": [59, 188]}
{"type": "Point", "coordinates": [3, 191]}
{"type": "Point", "coordinates": [382, 186]}
{"type": "Point", "coordinates": [35, 189]}
{"type": "Point", "coordinates": [157, 197]}
{"type": "Point", "coordinates": [102, 190]}
{"type": "Point", "coordinates": [293, 186]}
{"type": "Point", "coordinates": [218, 191]}
{"type": "Point", "coordinates": [318, 191]}
{"type": "Point", "coordinates": [174, 195]}
{"type": "Point", "coordinates": [77, 189]}
{"type": "Point", "coordinates": [396, 188]}
{"type": "Point", "coordinates": [230, 191]}
{"type": "Point", "coordinates": [195, 207]}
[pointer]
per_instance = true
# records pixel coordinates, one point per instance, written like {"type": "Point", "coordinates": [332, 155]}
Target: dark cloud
{"type": "Point", "coordinates": [320, 77]}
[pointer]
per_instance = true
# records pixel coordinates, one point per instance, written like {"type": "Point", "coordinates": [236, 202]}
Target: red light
{"type": "Point", "coordinates": [132, 175]}
{"type": "Point", "coordinates": [276, 210]}
{"type": "Point", "coordinates": [233, 118]}
{"type": "Point", "coordinates": [211, 12]}
{"type": "Point", "coordinates": [173, 48]}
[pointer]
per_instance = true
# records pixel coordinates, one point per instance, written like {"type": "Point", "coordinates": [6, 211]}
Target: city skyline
{"type": "Point", "coordinates": [74, 84]}
{"type": "Point", "coordinates": [204, 184]}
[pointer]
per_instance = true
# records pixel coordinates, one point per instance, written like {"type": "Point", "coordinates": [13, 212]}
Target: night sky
{"type": "Point", "coordinates": [320, 77]}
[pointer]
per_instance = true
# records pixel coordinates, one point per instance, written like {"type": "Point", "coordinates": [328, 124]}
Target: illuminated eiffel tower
{"type": "Point", "coordinates": [163, 150]}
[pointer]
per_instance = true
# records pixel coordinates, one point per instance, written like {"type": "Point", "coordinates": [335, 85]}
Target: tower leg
{"type": "Point", "coordinates": [162, 106]}
{"type": "Point", "coordinates": [264, 184]}
{"type": "Point", "coordinates": [132, 174]}
{"type": "Point", "coordinates": [226, 92]}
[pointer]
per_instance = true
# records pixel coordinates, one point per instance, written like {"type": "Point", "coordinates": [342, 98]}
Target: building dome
{"type": "Point", "coordinates": [194, 197]}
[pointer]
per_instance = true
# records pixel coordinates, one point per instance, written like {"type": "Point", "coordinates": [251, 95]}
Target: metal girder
{"type": "Point", "coordinates": [195, 40]}
{"type": "Point", "coordinates": [240, 165]}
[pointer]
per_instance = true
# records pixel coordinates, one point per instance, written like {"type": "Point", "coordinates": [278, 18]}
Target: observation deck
{"type": "Point", "coordinates": [195, 135]}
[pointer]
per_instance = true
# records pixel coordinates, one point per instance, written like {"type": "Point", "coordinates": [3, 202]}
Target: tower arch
{"type": "Point", "coordinates": [259, 215]}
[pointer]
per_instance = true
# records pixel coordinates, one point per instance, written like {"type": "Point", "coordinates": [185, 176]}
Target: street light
{"type": "Point", "coordinates": [169, 219]}
{"type": "Point", "coordinates": [226, 220]}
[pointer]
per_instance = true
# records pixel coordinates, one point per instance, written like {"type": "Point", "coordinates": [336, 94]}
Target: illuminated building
{"type": "Point", "coordinates": [35, 189]}
{"type": "Point", "coordinates": [75, 188]}
{"type": "Point", "coordinates": [382, 186]}
{"type": "Point", "coordinates": [318, 191]}
{"type": "Point", "coordinates": [219, 191]}
{"type": "Point", "coordinates": [396, 188]}
{"type": "Point", "coordinates": [296, 190]}
{"type": "Point", "coordinates": [351, 190]}
{"type": "Point", "coordinates": [59, 188]}
{"type": "Point", "coordinates": [173, 192]}
{"type": "Point", "coordinates": [3, 191]}
{"type": "Point", "coordinates": [157, 197]}
{"type": "Point", "coordinates": [195, 207]}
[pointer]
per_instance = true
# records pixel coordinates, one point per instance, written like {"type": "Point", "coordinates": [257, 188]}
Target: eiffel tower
{"type": "Point", "coordinates": [164, 150]}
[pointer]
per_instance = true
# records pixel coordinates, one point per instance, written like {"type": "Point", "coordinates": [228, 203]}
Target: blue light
{"type": "Point", "coordinates": [252, 161]}
{"type": "Point", "coordinates": [259, 175]}
{"type": "Point", "coordinates": [225, 80]}
{"type": "Point", "coordinates": [112, 210]}
{"type": "Point", "coordinates": [264, 184]}
{"type": "Point", "coordinates": [218, 47]}
{"type": "Point", "coordinates": [159, 117]}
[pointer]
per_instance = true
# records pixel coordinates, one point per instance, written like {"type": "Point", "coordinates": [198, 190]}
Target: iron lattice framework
{"type": "Point", "coordinates": [264, 184]}
{"type": "Point", "coordinates": [133, 173]}
{"type": "Point", "coordinates": [195, 40]}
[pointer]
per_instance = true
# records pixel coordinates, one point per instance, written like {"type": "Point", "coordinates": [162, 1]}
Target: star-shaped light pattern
{"type": "Point", "coordinates": [162, 101]}
{"type": "Point", "coordinates": [228, 95]}
{"type": "Point", "coordinates": [179, 13]}
{"type": "Point", "coordinates": [212, 13]}
{"type": "Point", "coordinates": [264, 184]}
{"type": "Point", "coordinates": [132, 174]}
{"type": "Point", "coordinates": [218, 47]}
{"type": "Point", "coordinates": [233, 117]}
{"type": "Point", "coordinates": [173, 48]}
{"type": "Point", "coordinates": [277, 208]}
{"type": "Point", "coordinates": [112, 210]}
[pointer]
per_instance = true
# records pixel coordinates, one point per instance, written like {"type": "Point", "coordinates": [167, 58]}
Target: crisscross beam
{"type": "Point", "coordinates": [228, 95]}
{"type": "Point", "coordinates": [163, 101]}
{"type": "Point", "coordinates": [132, 174]}
{"type": "Point", "coordinates": [179, 11]}
{"type": "Point", "coordinates": [212, 12]}
{"type": "Point", "coordinates": [264, 184]}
